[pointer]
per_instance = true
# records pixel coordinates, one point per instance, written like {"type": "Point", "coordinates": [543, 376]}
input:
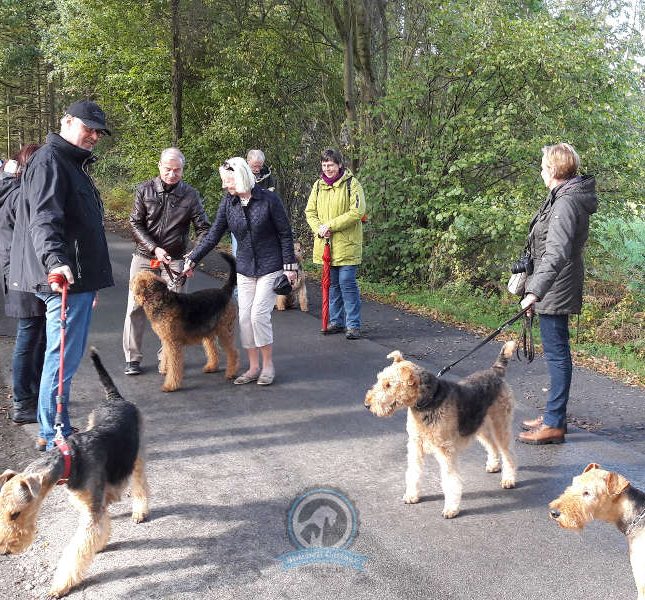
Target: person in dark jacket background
{"type": "Point", "coordinates": [263, 176]}
{"type": "Point", "coordinates": [265, 250]}
{"type": "Point", "coordinates": [164, 208]}
{"type": "Point", "coordinates": [558, 233]}
{"type": "Point", "coordinates": [29, 348]}
{"type": "Point", "coordinates": [59, 232]}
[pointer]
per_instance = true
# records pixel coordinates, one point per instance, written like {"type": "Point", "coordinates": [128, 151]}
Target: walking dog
{"type": "Point", "coordinates": [103, 458]}
{"type": "Point", "coordinates": [608, 496]}
{"type": "Point", "coordinates": [299, 291]}
{"type": "Point", "coordinates": [184, 319]}
{"type": "Point", "coordinates": [444, 416]}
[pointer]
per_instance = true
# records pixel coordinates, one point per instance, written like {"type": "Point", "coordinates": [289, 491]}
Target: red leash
{"type": "Point", "coordinates": [59, 439]}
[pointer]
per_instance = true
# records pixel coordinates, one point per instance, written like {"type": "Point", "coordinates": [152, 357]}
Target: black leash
{"type": "Point", "coordinates": [177, 279]}
{"type": "Point", "coordinates": [526, 337]}
{"type": "Point", "coordinates": [484, 342]}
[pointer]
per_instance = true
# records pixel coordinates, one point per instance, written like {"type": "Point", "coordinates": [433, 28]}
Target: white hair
{"type": "Point", "coordinates": [255, 155]}
{"type": "Point", "coordinates": [172, 153]}
{"type": "Point", "coordinates": [244, 178]}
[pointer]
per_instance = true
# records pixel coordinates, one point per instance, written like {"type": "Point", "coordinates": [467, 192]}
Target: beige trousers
{"type": "Point", "coordinates": [256, 298]}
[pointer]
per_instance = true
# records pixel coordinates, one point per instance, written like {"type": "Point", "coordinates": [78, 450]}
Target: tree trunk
{"type": "Point", "coordinates": [176, 76]}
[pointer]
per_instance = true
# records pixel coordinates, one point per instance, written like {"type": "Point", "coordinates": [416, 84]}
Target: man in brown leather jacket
{"type": "Point", "coordinates": [164, 208]}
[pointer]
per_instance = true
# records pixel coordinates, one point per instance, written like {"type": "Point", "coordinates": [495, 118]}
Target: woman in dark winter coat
{"type": "Point", "coordinates": [29, 349]}
{"type": "Point", "coordinates": [265, 250]}
{"type": "Point", "coordinates": [558, 233]}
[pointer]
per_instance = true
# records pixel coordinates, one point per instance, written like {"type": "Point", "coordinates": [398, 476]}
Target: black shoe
{"type": "Point", "coordinates": [24, 411]}
{"type": "Point", "coordinates": [22, 418]}
{"type": "Point", "coordinates": [353, 334]}
{"type": "Point", "coordinates": [333, 328]}
{"type": "Point", "coordinates": [132, 368]}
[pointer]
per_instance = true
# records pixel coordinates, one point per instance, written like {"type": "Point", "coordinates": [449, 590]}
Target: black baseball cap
{"type": "Point", "coordinates": [90, 113]}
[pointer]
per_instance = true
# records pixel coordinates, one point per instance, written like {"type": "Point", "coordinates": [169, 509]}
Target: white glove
{"type": "Point", "coordinates": [189, 265]}
{"type": "Point", "coordinates": [66, 272]}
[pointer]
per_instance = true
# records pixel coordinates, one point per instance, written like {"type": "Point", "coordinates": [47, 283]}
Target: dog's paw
{"type": "Point", "coordinates": [58, 591]}
{"type": "Point", "coordinates": [139, 517]}
{"type": "Point", "coordinates": [209, 369]}
{"type": "Point", "coordinates": [449, 513]}
{"type": "Point", "coordinates": [411, 498]}
{"type": "Point", "coordinates": [493, 467]}
{"type": "Point", "coordinates": [508, 484]}
{"type": "Point", "coordinates": [169, 388]}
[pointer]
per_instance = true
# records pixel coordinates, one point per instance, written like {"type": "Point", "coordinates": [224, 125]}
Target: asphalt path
{"type": "Point", "coordinates": [227, 463]}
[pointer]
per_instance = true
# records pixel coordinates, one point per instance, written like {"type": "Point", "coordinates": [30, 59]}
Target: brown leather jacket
{"type": "Point", "coordinates": [162, 219]}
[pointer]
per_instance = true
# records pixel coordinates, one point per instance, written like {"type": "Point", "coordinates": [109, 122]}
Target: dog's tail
{"type": "Point", "coordinates": [499, 366]}
{"type": "Point", "coordinates": [232, 275]}
{"type": "Point", "coordinates": [111, 391]}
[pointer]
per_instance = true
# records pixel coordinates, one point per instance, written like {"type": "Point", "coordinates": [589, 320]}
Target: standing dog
{"type": "Point", "coordinates": [102, 460]}
{"type": "Point", "coordinates": [608, 496]}
{"type": "Point", "coordinates": [299, 291]}
{"type": "Point", "coordinates": [444, 416]}
{"type": "Point", "coordinates": [184, 319]}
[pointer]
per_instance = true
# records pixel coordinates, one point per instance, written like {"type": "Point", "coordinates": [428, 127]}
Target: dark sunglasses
{"type": "Point", "coordinates": [227, 167]}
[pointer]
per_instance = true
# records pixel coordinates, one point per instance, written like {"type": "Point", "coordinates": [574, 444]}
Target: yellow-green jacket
{"type": "Point", "coordinates": [333, 206]}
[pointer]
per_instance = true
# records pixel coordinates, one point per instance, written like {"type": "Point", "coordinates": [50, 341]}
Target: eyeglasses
{"type": "Point", "coordinates": [227, 167]}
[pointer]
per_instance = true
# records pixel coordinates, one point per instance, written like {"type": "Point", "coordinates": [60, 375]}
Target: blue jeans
{"type": "Point", "coordinates": [79, 316]}
{"type": "Point", "coordinates": [344, 298]}
{"type": "Point", "coordinates": [554, 330]}
{"type": "Point", "coordinates": [28, 356]}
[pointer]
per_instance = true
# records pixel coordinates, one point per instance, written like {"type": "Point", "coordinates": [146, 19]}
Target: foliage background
{"type": "Point", "coordinates": [442, 108]}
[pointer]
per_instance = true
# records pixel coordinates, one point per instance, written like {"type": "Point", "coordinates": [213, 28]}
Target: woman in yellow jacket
{"type": "Point", "coordinates": [334, 211]}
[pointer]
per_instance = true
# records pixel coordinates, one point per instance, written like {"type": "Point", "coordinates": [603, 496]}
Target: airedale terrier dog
{"type": "Point", "coordinates": [444, 416]}
{"type": "Point", "coordinates": [103, 458]}
{"type": "Point", "coordinates": [608, 496]}
{"type": "Point", "coordinates": [184, 319]}
{"type": "Point", "coordinates": [299, 290]}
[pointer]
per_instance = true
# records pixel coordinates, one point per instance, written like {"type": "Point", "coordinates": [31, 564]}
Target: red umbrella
{"type": "Point", "coordinates": [324, 283]}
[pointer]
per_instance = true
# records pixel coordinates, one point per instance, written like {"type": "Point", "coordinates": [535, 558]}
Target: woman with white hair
{"type": "Point", "coordinates": [257, 219]}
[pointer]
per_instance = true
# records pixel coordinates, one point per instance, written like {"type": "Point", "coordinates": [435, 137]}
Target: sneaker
{"type": "Point", "coordinates": [353, 334]}
{"type": "Point", "coordinates": [132, 368]}
{"type": "Point", "coordinates": [332, 328]}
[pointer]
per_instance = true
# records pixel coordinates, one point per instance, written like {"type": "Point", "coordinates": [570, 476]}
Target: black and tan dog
{"type": "Point", "coordinates": [608, 496]}
{"type": "Point", "coordinates": [185, 319]}
{"type": "Point", "coordinates": [299, 291]}
{"type": "Point", "coordinates": [103, 458]}
{"type": "Point", "coordinates": [444, 416]}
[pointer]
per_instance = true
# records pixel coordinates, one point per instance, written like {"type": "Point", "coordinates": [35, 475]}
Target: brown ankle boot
{"type": "Point", "coordinates": [543, 435]}
{"type": "Point", "coordinates": [531, 424]}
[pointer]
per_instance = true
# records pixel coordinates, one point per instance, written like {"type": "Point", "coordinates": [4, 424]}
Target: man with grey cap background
{"type": "Point", "coordinates": [59, 236]}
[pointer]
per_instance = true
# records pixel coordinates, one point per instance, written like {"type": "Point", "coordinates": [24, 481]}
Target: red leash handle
{"type": "Point", "coordinates": [61, 280]}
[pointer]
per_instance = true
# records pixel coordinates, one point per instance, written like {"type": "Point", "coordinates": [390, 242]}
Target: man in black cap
{"type": "Point", "coordinates": [59, 236]}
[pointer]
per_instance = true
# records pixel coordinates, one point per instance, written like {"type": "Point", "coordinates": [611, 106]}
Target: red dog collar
{"type": "Point", "coordinates": [67, 458]}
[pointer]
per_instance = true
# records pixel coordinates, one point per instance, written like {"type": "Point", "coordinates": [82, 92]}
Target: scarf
{"type": "Point", "coordinates": [332, 180]}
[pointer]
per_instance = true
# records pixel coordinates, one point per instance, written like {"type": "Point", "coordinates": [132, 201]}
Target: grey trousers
{"type": "Point", "coordinates": [135, 318]}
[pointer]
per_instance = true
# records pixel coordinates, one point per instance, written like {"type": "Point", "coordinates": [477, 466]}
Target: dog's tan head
{"type": "Point", "coordinates": [590, 496]}
{"type": "Point", "coordinates": [146, 287]}
{"type": "Point", "coordinates": [297, 250]}
{"type": "Point", "coordinates": [397, 386]}
{"type": "Point", "coordinates": [20, 500]}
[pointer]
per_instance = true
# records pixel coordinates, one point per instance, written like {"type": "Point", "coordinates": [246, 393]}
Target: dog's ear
{"type": "Point", "coordinates": [615, 483]}
{"type": "Point", "coordinates": [408, 374]}
{"type": "Point", "coordinates": [30, 487]}
{"type": "Point", "coordinates": [6, 476]}
{"type": "Point", "coordinates": [396, 356]}
{"type": "Point", "coordinates": [591, 466]}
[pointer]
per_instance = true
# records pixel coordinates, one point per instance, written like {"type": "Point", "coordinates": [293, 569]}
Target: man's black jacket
{"type": "Point", "coordinates": [162, 218]}
{"type": "Point", "coordinates": [59, 221]}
